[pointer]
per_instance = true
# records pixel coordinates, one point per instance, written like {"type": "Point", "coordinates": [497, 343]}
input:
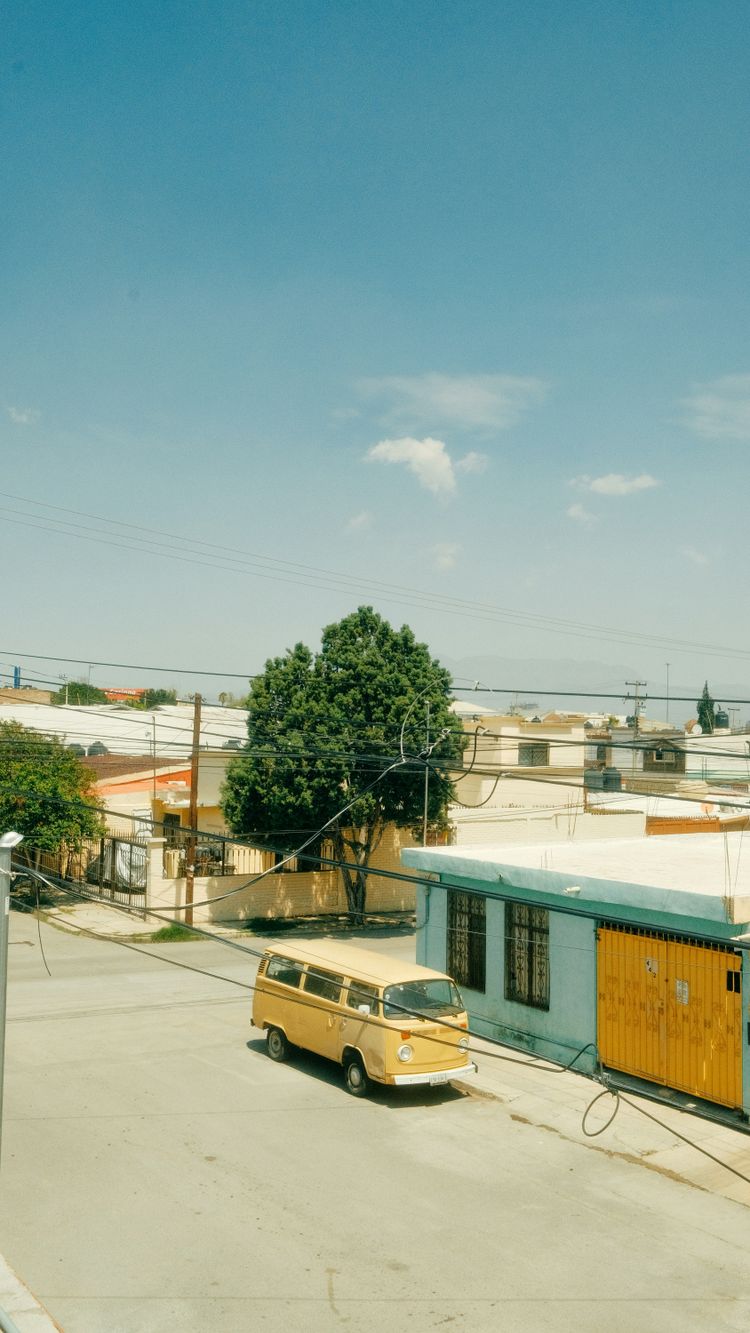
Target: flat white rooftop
{"type": "Point", "coordinates": [703, 875]}
{"type": "Point", "coordinates": [131, 730]}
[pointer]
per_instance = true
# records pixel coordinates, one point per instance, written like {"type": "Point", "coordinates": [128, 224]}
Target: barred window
{"type": "Point", "coordinates": [533, 754]}
{"type": "Point", "coordinates": [527, 954]}
{"type": "Point", "coordinates": [467, 938]}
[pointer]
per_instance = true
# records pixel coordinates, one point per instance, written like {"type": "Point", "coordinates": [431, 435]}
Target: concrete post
{"type": "Point", "coordinates": [7, 842]}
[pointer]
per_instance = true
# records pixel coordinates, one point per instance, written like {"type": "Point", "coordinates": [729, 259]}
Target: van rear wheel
{"type": "Point", "coordinates": [355, 1077]}
{"type": "Point", "coordinates": [277, 1045]}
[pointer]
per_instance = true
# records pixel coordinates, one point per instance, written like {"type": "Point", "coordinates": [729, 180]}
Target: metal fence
{"type": "Point", "coordinates": [112, 868]}
{"type": "Point", "coordinates": [213, 856]}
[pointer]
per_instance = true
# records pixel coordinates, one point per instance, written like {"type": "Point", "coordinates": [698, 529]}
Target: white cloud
{"type": "Point", "coordinates": [345, 413]}
{"type": "Point", "coordinates": [581, 515]}
{"type": "Point", "coordinates": [472, 462]}
{"type": "Point", "coordinates": [428, 459]}
{"type": "Point", "coordinates": [694, 556]}
{"type": "Point", "coordinates": [614, 483]}
{"type": "Point", "coordinates": [469, 402]}
{"type": "Point", "coordinates": [720, 409]}
{"type": "Point", "coordinates": [23, 416]}
{"type": "Point", "coordinates": [359, 522]}
{"type": "Point", "coordinates": [445, 554]}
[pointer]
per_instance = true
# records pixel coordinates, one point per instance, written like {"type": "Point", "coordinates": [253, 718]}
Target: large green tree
{"type": "Point", "coordinates": [322, 730]}
{"type": "Point", "coordinates": [45, 792]}
{"type": "Point", "coordinates": [79, 692]}
{"type": "Point", "coordinates": [706, 711]}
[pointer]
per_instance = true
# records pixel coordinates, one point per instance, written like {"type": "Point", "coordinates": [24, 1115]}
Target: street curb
{"type": "Point", "coordinates": [21, 1306]}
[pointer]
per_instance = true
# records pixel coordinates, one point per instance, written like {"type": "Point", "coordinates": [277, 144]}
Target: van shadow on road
{"type": "Point", "coordinates": [393, 1099]}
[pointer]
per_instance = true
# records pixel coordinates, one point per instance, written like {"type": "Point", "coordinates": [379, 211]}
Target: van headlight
{"type": "Point", "coordinates": [463, 1043]}
{"type": "Point", "coordinates": [405, 1052]}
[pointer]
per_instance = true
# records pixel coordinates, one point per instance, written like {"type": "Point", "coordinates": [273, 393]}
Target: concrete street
{"type": "Point", "coordinates": [160, 1173]}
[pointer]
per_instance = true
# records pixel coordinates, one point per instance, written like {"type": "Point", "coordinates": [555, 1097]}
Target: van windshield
{"type": "Point", "coordinates": [438, 996]}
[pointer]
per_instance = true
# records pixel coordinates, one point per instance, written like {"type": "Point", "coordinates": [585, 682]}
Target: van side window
{"type": "Point", "coordinates": [284, 969]}
{"type": "Point", "coordinates": [325, 984]}
{"type": "Point", "coordinates": [360, 994]}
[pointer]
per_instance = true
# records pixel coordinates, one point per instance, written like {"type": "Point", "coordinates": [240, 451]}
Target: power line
{"type": "Point", "coordinates": [478, 688]}
{"type": "Point", "coordinates": [546, 1065]}
{"type": "Point", "coordinates": [261, 566]}
{"type": "Point", "coordinates": [131, 666]}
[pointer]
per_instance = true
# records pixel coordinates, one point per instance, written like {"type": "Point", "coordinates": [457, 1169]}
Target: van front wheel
{"type": "Point", "coordinates": [355, 1077]}
{"type": "Point", "coordinates": [277, 1045]}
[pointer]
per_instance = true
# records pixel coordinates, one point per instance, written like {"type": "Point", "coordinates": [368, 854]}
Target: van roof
{"type": "Point", "coordinates": [364, 964]}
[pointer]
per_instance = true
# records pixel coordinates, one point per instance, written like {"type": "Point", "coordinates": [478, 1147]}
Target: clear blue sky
{"type": "Point", "coordinates": [446, 295]}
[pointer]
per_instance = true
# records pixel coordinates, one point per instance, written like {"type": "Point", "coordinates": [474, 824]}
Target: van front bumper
{"type": "Point", "coordinates": [433, 1079]}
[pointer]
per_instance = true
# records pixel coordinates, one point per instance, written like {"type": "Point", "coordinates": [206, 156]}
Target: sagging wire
{"type": "Point", "coordinates": [314, 837]}
{"type": "Point", "coordinates": [542, 1064]}
{"type": "Point", "coordinates": [470, 769]}
{"type": "Point", "coordinates": [620, 1099]}
{"type": "Point", "coordinates": [39, 928]}
{"type": "Point", "coordinates": [556, 1067]}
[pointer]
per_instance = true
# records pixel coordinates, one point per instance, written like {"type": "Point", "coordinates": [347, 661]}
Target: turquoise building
{"type": "Point", "coordinates": [630, 953]}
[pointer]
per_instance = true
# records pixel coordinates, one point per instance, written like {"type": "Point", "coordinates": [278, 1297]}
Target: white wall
{"type": "Point", "coordinates": [557, 826]}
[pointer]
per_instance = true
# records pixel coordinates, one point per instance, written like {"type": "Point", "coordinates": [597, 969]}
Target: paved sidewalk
{"type": "Point", "coordinates": [553, 1101]}
{"type": "Point", "coordinates": [556, 1102]}
{"type": "Point", "coordinates": [118, 923]}
{"type": "Point", "coordinates": [17, 1302]}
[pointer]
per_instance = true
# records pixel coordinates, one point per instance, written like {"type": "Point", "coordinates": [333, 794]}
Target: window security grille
{"type": "Point", "coordinates": [527, 954]}
{"type": "Point", "coordinates": [467, 939]}
{"type": "Point", "coordinates": [533, 755]}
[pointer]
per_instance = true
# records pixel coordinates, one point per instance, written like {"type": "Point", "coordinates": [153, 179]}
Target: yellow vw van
{"type": "Point", "coordinates": [385, 1021]}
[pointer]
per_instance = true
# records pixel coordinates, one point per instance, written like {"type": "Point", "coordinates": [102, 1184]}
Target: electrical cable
{"type": "Point", "coordinates": [541, 1064]}
{"type": "Point", "coordinates": [470, 769]}
{"type": "Point", "coordinates": [479, 805]}
{"type": "Point", "coordinates": [262, 566]}
{"type": "Point", "coordinates": [279, 946]}
{"type": "Point", "coordinates": [478, 688]}
{"type": "Point", "coordinates": [605, 1092]}
{"type": "Point", "coordinates": [39, 930]}
{"type": "Point", "coordinates": [691, 1144]}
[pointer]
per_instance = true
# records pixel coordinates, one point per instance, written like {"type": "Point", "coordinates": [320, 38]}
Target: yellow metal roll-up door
{"type": "Point", "coordinates": [670, 1010]}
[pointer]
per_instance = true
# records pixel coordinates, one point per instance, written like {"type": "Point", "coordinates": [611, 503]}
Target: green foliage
{"type": "Point", "coordinates": [45, 791]}
{"type": "Point", "coordinates": [321, 728]}
{"type": "Point", "coordinates": [173, 934]}
{"type": "Point", "coordinates": [151, 699]}
{"type": "Point", "coordinates": [78, 692]}
{"type": "Point", "coordinates": [706, 710]}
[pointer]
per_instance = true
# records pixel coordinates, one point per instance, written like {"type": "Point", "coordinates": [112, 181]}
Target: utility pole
{"type": "Point", "coordinates": [637, 705]}
{"type": "Point", "coordinates": [426, 778]}
{"type": "Point", "coordinates": [667, 666]}
{"type": "Point", "coordinates": [7, 842]}
{"type": "Point", "coordinates": [191, 846]}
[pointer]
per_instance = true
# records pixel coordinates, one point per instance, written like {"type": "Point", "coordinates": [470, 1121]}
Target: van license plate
{"type": "Point", "coordinates": [439, 1078]}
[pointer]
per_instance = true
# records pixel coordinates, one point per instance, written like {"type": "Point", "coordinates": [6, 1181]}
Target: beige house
{"type": "Point", "coordinates": [523, 782]}
{"type": "Point", "coordinates": [158, 795]}
{"type": "Point", "coordinates": [284, 892]}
